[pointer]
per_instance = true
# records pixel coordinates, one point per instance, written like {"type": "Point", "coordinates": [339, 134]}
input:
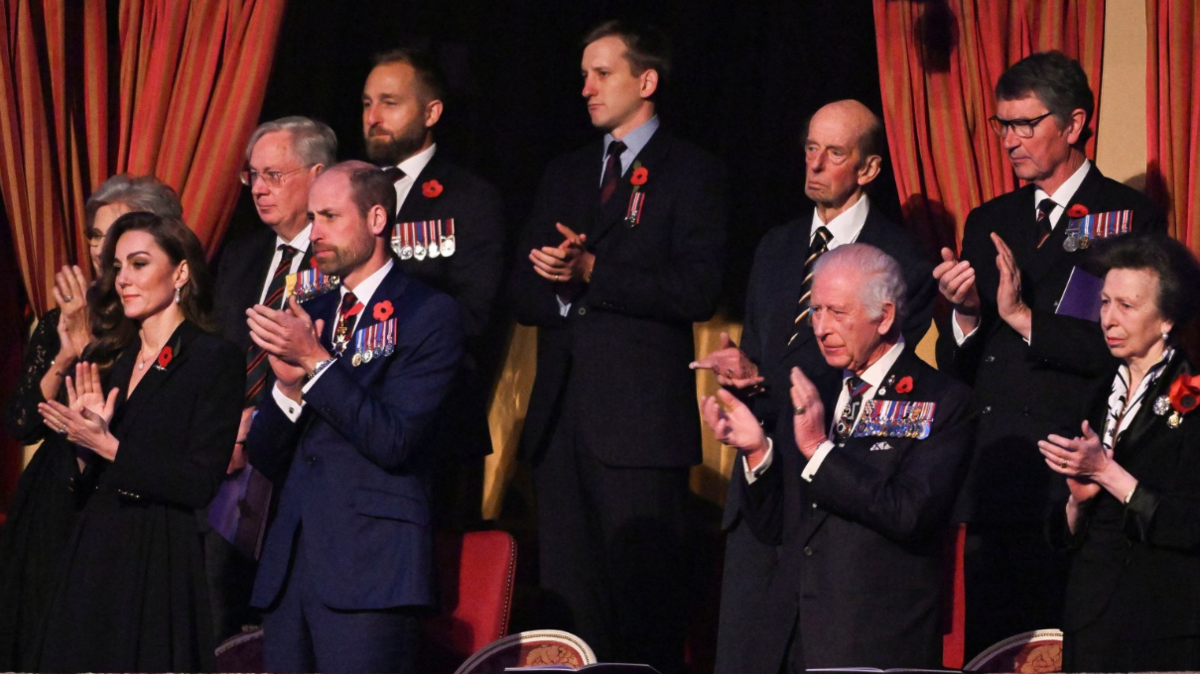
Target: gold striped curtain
{"type": "Point", "coordinates": [938, 66]}
{"type": "Point", "coordinates": [173, 89]}
{"type": "Point", "coordinates": [1173, 114]}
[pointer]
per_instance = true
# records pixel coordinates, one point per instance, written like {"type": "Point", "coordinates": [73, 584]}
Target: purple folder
{"type": "Point", "coordinates": [1081, 297]}
{"type": "Point", "coordinates": [239, 511]}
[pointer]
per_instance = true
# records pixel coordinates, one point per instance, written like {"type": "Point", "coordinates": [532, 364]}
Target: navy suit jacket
{"type": "Point", "coordinates": [354, 468]}
{"type": "Point", "coordinates": [627, 340]}
{"type": "Point", "coordinates": [861, 567]}
{"type": "Point", "coordinates": [1026, 391]}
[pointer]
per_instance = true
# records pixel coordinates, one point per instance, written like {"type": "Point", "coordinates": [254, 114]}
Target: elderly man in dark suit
{"type": "Point", "coordinates": [1033, 370]}
{"type": "Point", "coordinates": [624, 254]}
{"type": "Point", "coordinates": [449, 234]}
{"type": "Point", "coordinates": [859, 496]}
{"type": "Point", "coordinates": [360, 375]}
{"type": "Point", "coordinates": [283, 157]}
{"type": "Point", "coordinates": [843, 154]}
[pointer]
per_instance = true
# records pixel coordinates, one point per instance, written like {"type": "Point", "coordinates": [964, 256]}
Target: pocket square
{"type": "Point", "coordinates": [880, 447]}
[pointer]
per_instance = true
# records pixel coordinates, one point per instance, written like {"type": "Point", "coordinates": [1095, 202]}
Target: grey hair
{"type": "Point", "coordinates": [136, 193]}
{"type": "Point", "coordinates": [882, 280]}
{"type": "Point", "coordinates": [312, 141]}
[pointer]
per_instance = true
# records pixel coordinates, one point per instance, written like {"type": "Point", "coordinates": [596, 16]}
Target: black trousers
{"type": "Point", "coordinates": [613, 544]}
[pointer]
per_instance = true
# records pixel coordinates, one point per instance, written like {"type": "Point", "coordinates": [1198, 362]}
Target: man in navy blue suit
{"type": "Point", "coordinates": [360, 376]}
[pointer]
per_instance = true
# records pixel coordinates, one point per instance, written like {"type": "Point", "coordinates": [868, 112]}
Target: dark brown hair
{"type": "Point", "coordinates": [113, 331]}
{"type": "Point", "coordinates": [645, 48]}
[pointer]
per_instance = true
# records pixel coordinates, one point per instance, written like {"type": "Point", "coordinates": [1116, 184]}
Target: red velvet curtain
{"type": "Point", "coordinates": [90, 89]}
{"type": "Point", "coordinates": [1173, 114]}
{"type": "Point", "coordinates": [938, 65]}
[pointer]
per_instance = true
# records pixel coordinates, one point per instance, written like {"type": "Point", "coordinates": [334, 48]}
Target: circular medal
{"type": "Point", "coordinates": [433, 250]}
{"type": "Point", "coordinates": [448, 246]}
{"type": "Point", "coordinates": [389, 350]}
{"type": "Point", "coordinates": [356, 360]}
{"type": "Point", "coordinates": [406, 253]}
{"type": "Point", "coordinates": [419, 252]}
{"type": "Point", "coordinates": [367, 356]}
{"type": "Point", "coordinates": [1174, 420]}
{"type": "Point", "coordinates": [1071, 244]}
{"type": "Point", "coordinates": [396, 247]}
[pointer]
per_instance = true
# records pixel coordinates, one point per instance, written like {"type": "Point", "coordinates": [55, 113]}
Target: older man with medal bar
{"type": "Point", "coordinates": [859, 497]}
{"type": "Point", "coordinates": [1019, 336]}
{"type": "Point", "coordinates": [360, 376]}
{"type": "Point", "coordinates": [449, 234]}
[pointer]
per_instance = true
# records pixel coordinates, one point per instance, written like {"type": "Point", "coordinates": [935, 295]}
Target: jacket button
{"type": "Point", "coordinates": [989, 359]}
{"type": "Point", "coordinates": [986, 409]}
{"type": "Point", "coordinates": [807, 551]}
{"type": "Point", "coordinates": [582, 311]}
{"type": "Point", "coordinates": [312, 460]}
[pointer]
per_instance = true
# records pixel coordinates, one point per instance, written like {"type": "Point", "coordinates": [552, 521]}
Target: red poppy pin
{"type": "Point", "coordinates": [639, 177]}
{"type": "Point", "coordinates": [431, 188]}
{"type": "Point", "coordinates": [1185, 393]}
{"type": "Point", "coordinates": [165, 357]}
{"type": "Point", "coordinates": [383, 310]}
{"type": "Point", "coordinates": [904, 385]}
{"type": "Point", "coordinates": [1077, 211]}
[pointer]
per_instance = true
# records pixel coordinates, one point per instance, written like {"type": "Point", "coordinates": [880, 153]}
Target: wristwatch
{"type": "Point", "coordinates": [321, 366]}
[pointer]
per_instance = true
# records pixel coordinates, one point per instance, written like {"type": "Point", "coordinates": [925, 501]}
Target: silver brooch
{"type": "Point", "coordinates": [1161, 405]}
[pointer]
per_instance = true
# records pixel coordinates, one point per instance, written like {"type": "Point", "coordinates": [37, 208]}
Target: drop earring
{"type": "Point", "coordinates": [177, 293]}
{"type": "Point", "coordinates": [1165, 335]}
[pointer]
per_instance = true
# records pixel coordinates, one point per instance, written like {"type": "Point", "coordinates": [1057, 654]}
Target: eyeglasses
{"type": "Point", "coordinates": [272, 178]}
{"type": "Point", "coordinates": [1022, 127]}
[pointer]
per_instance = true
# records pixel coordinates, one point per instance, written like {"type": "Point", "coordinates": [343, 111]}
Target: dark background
{"type": "Point", "coordinates": [746, 77]}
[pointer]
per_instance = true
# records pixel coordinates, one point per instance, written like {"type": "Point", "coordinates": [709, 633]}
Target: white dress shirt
{"type": "Point", "coordinates": [412, 168]}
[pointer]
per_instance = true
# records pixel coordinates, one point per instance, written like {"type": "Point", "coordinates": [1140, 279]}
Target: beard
{"type": "Point", "coordinates": [345, 260]}
{"type": "Point", "coordinates": [391, 149]}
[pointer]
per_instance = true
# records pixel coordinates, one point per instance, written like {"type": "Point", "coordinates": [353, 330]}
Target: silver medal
{"type": "Point", "coordinates": [448, 245]}
{"type": "Point", "coordinates": [1071, 244]}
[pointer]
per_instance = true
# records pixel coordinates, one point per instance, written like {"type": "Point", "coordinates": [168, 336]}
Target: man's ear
{"type": "Point", "coordinates": [377, 219]}
{"type": "Point", "coordinates": [887, 319]}
{"type": "Point", "coordinates": [870, 169]}
{"type": "Point", "coordinates": [649, 83]}
{"type": "Point", "coordinates": [433, 112]}
{"type": "Point", "coordinates": [1075, 125]}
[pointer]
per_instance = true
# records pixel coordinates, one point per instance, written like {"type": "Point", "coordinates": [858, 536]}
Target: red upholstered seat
{"type": "Point", "coordinates": [475, 573]}
{"type": "Point", "coordinates": [955, 630]}
{"type": "Point", "coordinates": [241, 653]}
{"type": "Point", "coordinates": [1037, 651]}
{"type": "Point", "coordinates": [529, 649]}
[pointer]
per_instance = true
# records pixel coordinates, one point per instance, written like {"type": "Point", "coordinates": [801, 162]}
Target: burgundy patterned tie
{"type": "Point", "coordinates": [257, 367]}
{"type": "Point", "coordinates": [612, 171]}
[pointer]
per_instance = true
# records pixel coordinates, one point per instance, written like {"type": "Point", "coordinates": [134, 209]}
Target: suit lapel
{"type": "Point", "coordinates": [158, 370]}
{"type": "Point", "coordinates": [1146, 420]}
{"type": "Point", "coordinates": [791, 284]}
{"type": "Point", "coordinates": [613, 212]}
{"type": "Point", "coordinates": [416, 205]}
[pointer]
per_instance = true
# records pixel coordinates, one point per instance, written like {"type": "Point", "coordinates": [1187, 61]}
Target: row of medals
{"type": "Point", "coordinates": [406, 252]}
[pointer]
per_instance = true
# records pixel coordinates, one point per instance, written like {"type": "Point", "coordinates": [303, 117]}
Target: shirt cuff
{"type": "Point", "coordinates": [753, 474]}
{"type": "Point", "coordinates": [291, 408]}
{"type": "Point", "coordinates": [817, 459]}
{"type": "Point", "coordinates": [959, 337]}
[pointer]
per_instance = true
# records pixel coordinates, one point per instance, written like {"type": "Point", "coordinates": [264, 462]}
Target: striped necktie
{"type": "Point", "coordinates": [1044, 209]}
{"type": "Point", "coordinates": [257, 367]}
{"type": "Point", "coordinates": [612, 171]}
{"type": "Point", "coordinates": [818, 247]}
{"type": "Point", "coordinates": [857, 388]}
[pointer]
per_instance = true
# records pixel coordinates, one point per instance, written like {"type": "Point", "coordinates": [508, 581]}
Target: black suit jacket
{"type": "Point", "coordinates": [1024, 392]}
{"type": "Point", "coordinates": [472, 276]}
{"type": "Point", "coordinates": [626, 342]}
{"type": "Point", "coordinates": [1137, 565]}
{"type": "Point", "coordinates": [241, 272]}
{"type": "Point", "coordinates": [861, 567]}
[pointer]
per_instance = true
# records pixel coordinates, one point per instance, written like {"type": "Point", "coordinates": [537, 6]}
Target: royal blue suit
{"type": "Point", "coordinates": [355, 467]}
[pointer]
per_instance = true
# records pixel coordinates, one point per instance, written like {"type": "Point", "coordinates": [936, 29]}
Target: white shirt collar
{"type": "Point", "coordinates": [846, 226]}
{"type": "Point", "coordinates": [413, 166]}
{"type": "Point", "coordinates": [366, 290]}
{"type": "Point", "coordinates": [1065, 192]}
{"type": "Point", "coordinates": [300, 242]}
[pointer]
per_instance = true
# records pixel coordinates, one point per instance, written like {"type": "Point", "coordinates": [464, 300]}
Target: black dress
{"type": "Point", "coordinates": [43, 510]}
{"type": "Point", "coordinates": [1133, 593]}
{"type": "Point", "coordinates": [133, 595]}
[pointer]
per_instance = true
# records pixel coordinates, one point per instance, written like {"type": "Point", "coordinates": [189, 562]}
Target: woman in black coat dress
{"type": "Point", "coordinates": [1132, 522]}
{"type": "Point", "coordinates": [133, 594]}
{"type": "Point", "coordinates": [47, 499]}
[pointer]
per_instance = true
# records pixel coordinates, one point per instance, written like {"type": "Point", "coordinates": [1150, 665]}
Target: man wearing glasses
{"type": "Point", "coordinates": [1033, 368]}
{"type": "Point", "coordinates": [283, 158]}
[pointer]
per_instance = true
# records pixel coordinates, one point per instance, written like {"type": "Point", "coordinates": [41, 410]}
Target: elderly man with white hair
{"type": "Point", "coordinates": [859, 495]}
